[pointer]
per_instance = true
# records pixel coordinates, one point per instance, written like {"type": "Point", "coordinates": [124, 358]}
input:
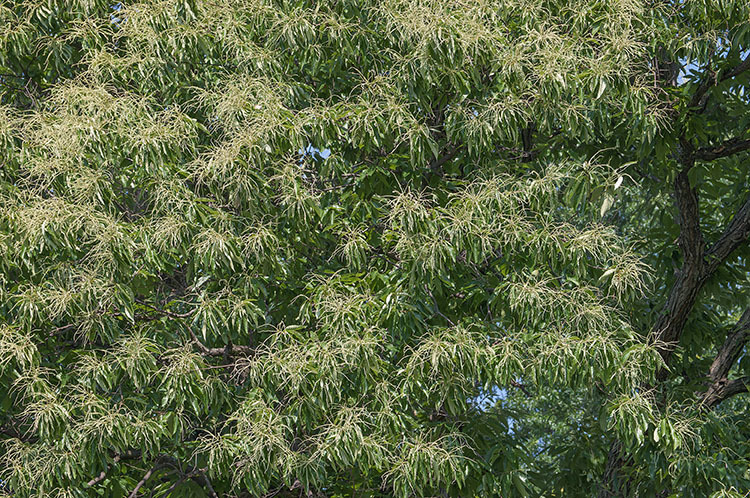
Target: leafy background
{"type": "Point", "coordinates": [353, 248]}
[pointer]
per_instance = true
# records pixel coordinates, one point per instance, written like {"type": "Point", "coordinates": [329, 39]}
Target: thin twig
{"type": "Point", "coordinates": [522, 388]}
{"type": "Point", "coordinates": [168, 313]}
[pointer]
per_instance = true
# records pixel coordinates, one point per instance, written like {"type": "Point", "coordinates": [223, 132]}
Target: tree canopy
{"type": "Point", "coordinates": [374, 248]}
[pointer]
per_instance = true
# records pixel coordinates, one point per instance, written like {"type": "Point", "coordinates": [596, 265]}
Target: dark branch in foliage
{"type": "Point", "coordinates": [699, 264]}
{"type": "Point", "coordinates": [128, 455]}
{"type": "Point", "coordinates": [734, 235]}
{"type": "Point", "coordinates": [690, 277]}
{"type": "Point", "coordinates": [449, 154]}
{"type": "Point", "coordinates": [527, 138]}
{"type": "Point", "coordinates": [691, 238]}
{"type": "Point", "coordinates": [737, 70]}
{"type": "Point", "coordinates": [228, 350]}
{"type": "Point", "coordinates": [145, 479]}
{"type": "Point", "coordinates": [720, 387]}
{"type": "Point", "coordinates": [723, 390]}
{"type": "Point", "coordinates": [168, 313]}
{"type": "Point", "coordinates": [615, 462]}
{"type": "Point", "coordinates": [11, 429]}
{"type": "Point", "coordinates": [725, 149]}
{"type": "Point", "coordinates": [196, 474]}
{"type": "Point", "coordinates": [521, 387]}
{"type": "Point", "coordinates": [437, 308]}
{"type": "Point", "coordinates": [700, 97]}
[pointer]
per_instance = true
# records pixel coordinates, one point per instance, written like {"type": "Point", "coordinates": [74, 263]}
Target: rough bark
{"type": "Point", "coordinates": [725, 389]}
{"type": "Point", "coordinates": [691, 276]}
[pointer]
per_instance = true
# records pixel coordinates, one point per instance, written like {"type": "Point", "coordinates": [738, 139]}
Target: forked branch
{"type": "Point", "coordinates": [699, 264]}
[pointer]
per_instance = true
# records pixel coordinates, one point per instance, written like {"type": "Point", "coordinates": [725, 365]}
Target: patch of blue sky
{"type": "Point", "coordinates": [314, 152]}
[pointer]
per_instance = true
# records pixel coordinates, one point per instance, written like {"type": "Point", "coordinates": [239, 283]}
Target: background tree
{"type": "Point", "coordinates": [354, 248]}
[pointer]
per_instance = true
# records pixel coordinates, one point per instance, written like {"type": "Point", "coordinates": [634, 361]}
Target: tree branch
{"type": "Point", "coordinates": [145, 478]}
{"type": "Point", "coordinates": [521, 387]}
{"type": "Point", "coordinates": [228, 350]}
{"type": "Point", "coordinates": [723, 390]}
{"type": "Point", "coordinates": [734, 235]}
{"type": "Point", "coordinates": [174, 485]}
{"type": "Point", "coordinates": [449, 154]}
{"type": "Point", "coordinates": [128, 455]}
{"type": "Point", "coordinates": [725, 149]}
{"type": "Point", "coordinates": [207, 483]}
{"type": "Point", "coordinates": [196, 474]}
{"type": "Point", "coordinates": [12, 428]}
{"type": "Point", "coordinates": [527, 139]}
{"type": "Point", "coordinates": [437, 308]}
{"type": "Point", "coordinates": [191, 473]}
{"type": "Point", "coordinates": [691, 238]}
{"type": "Point", "coordinates": [610, 487]}
{"type": "Point", "coordinates": [700, 96]}
{"type": "Point", "coordinates": [170, 314]}
{"type": "Point", "coordinates": [96, 480]}
{"type": "Point", "coordinates": [737, 70]}
{"type": "Point", "coordinates": [728, 354]}
{"type": "Point", "coordinates": [699, 264]}
{"type": "Point", "coordinates": [690, 277]}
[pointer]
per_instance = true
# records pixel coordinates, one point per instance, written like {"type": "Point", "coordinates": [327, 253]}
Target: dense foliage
{"type": "Point", "coordinates": [374, 248]}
